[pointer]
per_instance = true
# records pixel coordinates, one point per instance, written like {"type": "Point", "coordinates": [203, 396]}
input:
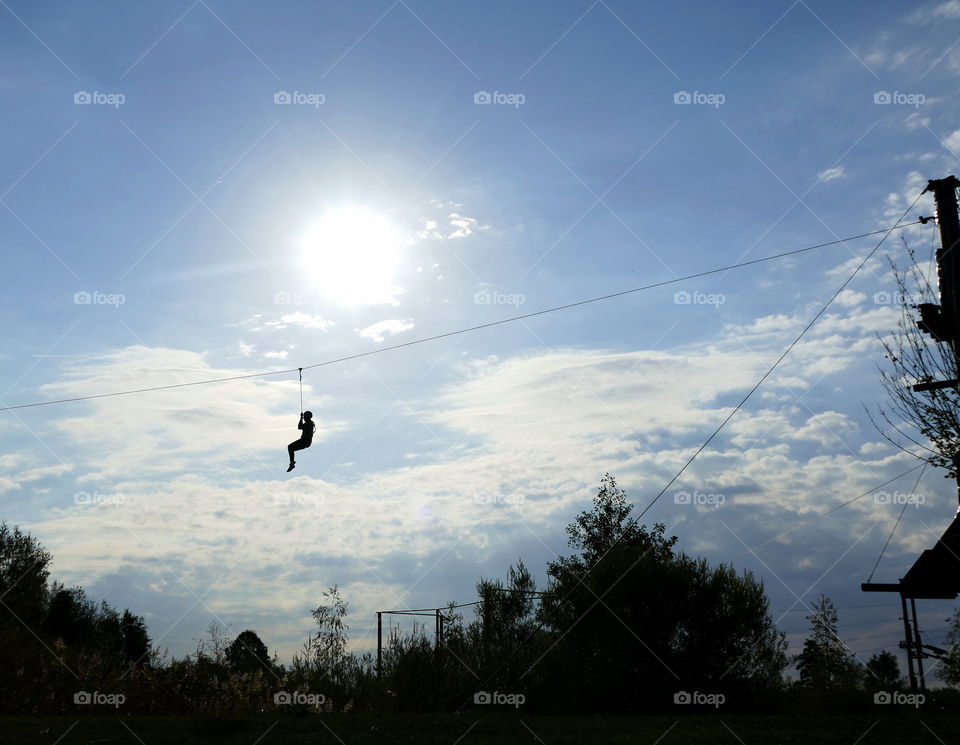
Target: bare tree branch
{"type": "Point", "coordinates": [931, 416]}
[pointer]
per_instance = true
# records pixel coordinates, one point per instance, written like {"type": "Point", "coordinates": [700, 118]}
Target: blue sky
{"type": "Point", "coordinates": [186, 190]}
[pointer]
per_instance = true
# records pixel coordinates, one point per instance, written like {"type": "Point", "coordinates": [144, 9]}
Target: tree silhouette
{"type": "Point", "coordinates": [825, 664]}
{"type": "Point", "coordinates": [329, 644]}
{"type": "Point", "coordinates": [635, 621]}
{"type": "Point", "coordinates": [23, 578]}
{"type": "Point", "coordinates": [247, 653]}
{"type": "Point", "coordinates": [950, 666]}
{"type": "Point", "coordinates": [884, 672]}
{"type": "Point", "coordinates": [928, 420]}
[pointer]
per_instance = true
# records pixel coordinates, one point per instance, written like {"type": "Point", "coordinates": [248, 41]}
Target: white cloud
{"type": "Point", "coordinates": [850, 298]}
{"type": "Point", "coordinates": [761, 427]}
{"type": "Point", "coordinates": [897, 203]}
{"type": "Point", "coordinates": [832, 174]}
{"type": "Point", "coordinates": [874, 449]}
{"type": "Point", "coordinates": [773, 324]}
{"type": "Point", "coordinates": [457, 225]}
{"type": "Point", "coordinates": [531, 401]}
{"type": "Point", "coordinates": [829, 428]}
{"type": "Point", "coordinates": [379, 330]}
{"type": "Point", "coordinates": [463, 225]}
{"type": "Point", "coordinates": [278, 355]}
{"type": "Point", "coordinates": [34, 474]}
{"type": "Point", "coordinates": [199, 429]}
{"type": "Point", "coordinates": [246, 349]}
{"type": "Point", "coordinates": [304, 320]}
{"type": "Point", "coordinates": [944, 11]}
{"type": "Point", "coordinates": [952, 142]}
{"type": "Point", "coordinates": [916, 120]}
{"type": "Point", "coordinates": [429, 231]}
{"type": "Point", "coordinates": [844, 269]}
{"type": "Point", "coordinates": [541, 426]}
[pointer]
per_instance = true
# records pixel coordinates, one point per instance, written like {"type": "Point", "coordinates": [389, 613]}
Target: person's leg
{"type": "Point", "coordinates": [293, 446]}
{"type": "Point", "coordinates": [296, 445]}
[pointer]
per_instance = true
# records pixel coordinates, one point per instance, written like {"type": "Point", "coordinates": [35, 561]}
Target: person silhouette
{"type": "Point", "coordinates": [307, 427]}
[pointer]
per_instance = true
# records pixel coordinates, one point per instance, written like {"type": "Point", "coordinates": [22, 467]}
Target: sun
{"type": "Point", "coordinates": [351, 256]}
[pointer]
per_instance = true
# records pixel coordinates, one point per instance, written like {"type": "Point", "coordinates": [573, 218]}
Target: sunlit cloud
{"type": "Point", "coordinates": [378, 331]}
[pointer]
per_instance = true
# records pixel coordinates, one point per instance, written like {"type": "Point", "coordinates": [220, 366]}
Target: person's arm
{"type": "Point", "coordinates": [300, 423]}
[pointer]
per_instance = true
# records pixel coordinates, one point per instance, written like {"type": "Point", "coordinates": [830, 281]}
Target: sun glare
{"type": "Point", "coordinates": [351, 257]}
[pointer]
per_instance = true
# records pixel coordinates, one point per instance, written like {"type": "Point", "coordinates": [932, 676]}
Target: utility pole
{"type": "Point", "coordinates": [908, 644]}
{"type": "Point", "coordinates": [439, 629]}
{"type": "Point", "coordinates": [942, 321]}
{"type": "Point", "coordinates": [936, 573]}
{"type": "Point", "coordinates": [918, 649]}
{"type": "Point", "coordinates": [948, 256]}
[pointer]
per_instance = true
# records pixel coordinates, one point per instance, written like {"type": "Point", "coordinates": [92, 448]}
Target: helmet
{"type": "Point", "coordinates": [308, 415]}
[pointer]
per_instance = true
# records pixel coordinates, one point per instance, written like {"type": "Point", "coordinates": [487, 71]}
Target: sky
{"type": "Point", "coordinates": [216, 189]}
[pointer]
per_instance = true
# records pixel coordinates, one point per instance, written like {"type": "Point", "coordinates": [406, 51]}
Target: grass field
{"type": "Point", "coordinates": [448, 729]}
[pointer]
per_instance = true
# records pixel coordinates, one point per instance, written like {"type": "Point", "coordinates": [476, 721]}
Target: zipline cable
{"type": "Point", "coordinates": [447, 334]}
{"type": "Point", "coordinates": [783, 356]}
{"type": "Point", "coordinates": [906, 503]}
{"type": "Point", "coordinates": [633, 521]}
{"type": "Point", "coordinates": [819, 517]}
